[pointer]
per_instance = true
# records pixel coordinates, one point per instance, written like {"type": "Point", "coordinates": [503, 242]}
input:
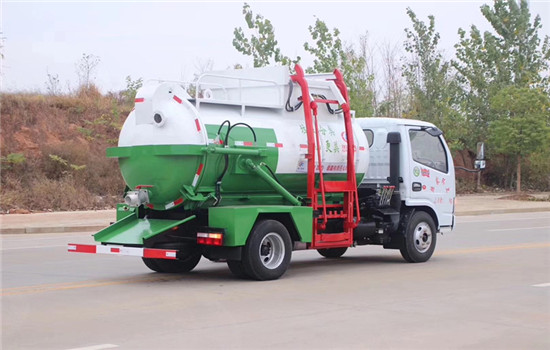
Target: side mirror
{"type": "Point", "coordinates": [479, 164]}
{"type": "Point", "coordinates": [480, 151]}
{"type": "Point", "coordinates": [480, 157]}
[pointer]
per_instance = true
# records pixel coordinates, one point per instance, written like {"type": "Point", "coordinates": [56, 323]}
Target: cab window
{"type": "Point", "coordinates": [428, 150]}
{"type": "Point", "coordinates": [370, 136]}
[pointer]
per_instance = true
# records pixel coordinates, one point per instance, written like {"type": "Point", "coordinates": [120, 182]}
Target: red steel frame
{"type": "Point", "coordinates": [348, 187]}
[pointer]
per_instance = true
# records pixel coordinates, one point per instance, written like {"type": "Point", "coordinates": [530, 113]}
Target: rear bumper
{"type": "Point", "coordinates": [122, 250]}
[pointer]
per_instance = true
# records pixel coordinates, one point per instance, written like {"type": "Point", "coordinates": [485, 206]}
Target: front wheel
{"type": "Point", "coordinates": [267, 253]}
{"type": "Point", "coordinates": [420, 238]}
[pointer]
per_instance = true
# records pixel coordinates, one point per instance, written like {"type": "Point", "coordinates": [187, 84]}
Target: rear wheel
{"type": "Point", "coordinates": [267, 253]}
{"type": "Point", "coordinates": [190, 257]}
{"type": "Point", "coordinates": [420, 238]}
{"type": "Point", "coordinates": [332, 253]}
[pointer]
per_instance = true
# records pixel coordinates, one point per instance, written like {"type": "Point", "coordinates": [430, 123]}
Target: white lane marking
{"type": "Point", "coordinates": [541, 285]}
{"type": "Point", "coordinates": [97, 347]}
{"type": "Point", "coordinates": [518, 228]}
{"type": "Point", "coordinates": [463, 219]}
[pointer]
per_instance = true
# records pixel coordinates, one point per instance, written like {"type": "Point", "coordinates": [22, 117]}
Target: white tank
{"type": "Point", "coordinates": [166, 115]}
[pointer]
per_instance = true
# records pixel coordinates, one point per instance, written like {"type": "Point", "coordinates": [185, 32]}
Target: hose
{"type": "Point", "coordinates": [271, 172]}
{"type": "Point", "coordinates": [330, 110]}
{"type": "Point", "coordinates": [230, 127]}
{"type": "Point", "coordinates": [221, 126]}
{"type": "Point", "coordinates": [288, 107]}
{"type": "Point", "coordinates": [234, 125]}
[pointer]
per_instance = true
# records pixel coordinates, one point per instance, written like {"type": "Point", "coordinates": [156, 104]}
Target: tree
{"type": "Point", "coordinates": [85, 69]}
{"type": "Point", "coordinates": [132, 86]}
{"type": "Point", "coordinates": [431, 84]}
{"type": "Point", "coordinates": [394, 101]}
{"type": "Point", "coordinates": [52, 84]}
{"type": "Point", "coordinates": [2, 38]}
{"type": "Point", "coordinates": [359, 82]}
{"type": "Point", "coordinates": [202, 66]}
{"type": "Point", "coordinates": [329, 53]}
{"type": "Point", "coordinates": [488, 62]}
{"type": "Point", "coordinates": [517, 42]}
{"type": "Point", "coordinates": [475, 75]}
{"type": "Point", "coordinates": [261, 44]}
{"type": "Point", "coordinates": [368, 51]}
{"type": "Point", "coordinates": [327, 48]}
{"type": "Point", "coordinates": [523, 126]}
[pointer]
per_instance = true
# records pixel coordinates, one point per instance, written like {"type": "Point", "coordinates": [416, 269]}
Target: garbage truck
{"type": "Point", "coordinates": [246, 166]}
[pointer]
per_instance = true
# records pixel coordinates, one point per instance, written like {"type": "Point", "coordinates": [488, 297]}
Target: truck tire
{"type": "Point", "coordinates": [267, 253]}
{"type": "Point", "coordinates": [332, 253]}
{"type": "Point", "coordinates": [186, 264]}
{"type": "Point", "coordinates": [237, 269]}
{"type": "Point", "coordinates": [419, 239]}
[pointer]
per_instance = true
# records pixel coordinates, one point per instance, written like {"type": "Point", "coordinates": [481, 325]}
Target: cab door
{"type": "Point", "coordinates": [431, 173]}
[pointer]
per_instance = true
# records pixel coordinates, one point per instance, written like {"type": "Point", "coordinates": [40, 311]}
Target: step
{"type": "Point", "coordinates": [332, 237]}
{"type": "Point", "coordinates": [333, 215]}
{"type": "Point", "coordinates": [339, 186]}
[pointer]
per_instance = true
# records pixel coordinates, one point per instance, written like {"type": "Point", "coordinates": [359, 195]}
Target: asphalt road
{"type": "Point", "coordinates": [487, 286]}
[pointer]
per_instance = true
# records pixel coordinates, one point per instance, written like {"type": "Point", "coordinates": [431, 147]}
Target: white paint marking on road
{"type": "Point", "coordinates": [97, 347]}
{"type": "Point", "coordinates": [518, 228]}
{"type": "Point", "coordinates": [464, 219]}
{"type": "Point", "coordinates": [541, 285]}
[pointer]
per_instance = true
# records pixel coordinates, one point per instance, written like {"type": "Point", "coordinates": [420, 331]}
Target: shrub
{"type": "Point", "coordinates": [536, 172]}
{"type": "Point", "coordinates": [13, 160]}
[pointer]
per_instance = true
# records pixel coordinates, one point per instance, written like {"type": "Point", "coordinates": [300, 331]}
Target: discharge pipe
{"type": "Point", "coordinates": [272, 182]}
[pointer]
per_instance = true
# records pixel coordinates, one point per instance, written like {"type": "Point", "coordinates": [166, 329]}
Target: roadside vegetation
{"type": "Point", "coordinates": [53, 150]}
{"type": "Point", "coordinates": [495, 90]}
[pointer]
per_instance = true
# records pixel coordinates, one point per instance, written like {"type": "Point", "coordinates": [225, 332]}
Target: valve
{"type": "Point", "coordinates": [137, 198]}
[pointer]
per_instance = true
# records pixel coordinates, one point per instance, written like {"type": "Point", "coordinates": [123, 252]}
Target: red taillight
{"type": "Point", "coordinates": [209, 238]}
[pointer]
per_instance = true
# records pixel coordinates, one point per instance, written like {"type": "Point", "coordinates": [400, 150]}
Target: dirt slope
{"type": "Point", "coordinates": [53, 150]}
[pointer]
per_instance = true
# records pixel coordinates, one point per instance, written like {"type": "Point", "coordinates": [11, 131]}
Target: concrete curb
{"type": "Point", "coordinates": [95, 228]}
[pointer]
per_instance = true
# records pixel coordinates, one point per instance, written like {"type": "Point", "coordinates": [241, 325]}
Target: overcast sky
{"type": "Point", "coordinates": [170, 40]}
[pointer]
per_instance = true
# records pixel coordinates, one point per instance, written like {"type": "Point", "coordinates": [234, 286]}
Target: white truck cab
{"type": "Point", "coordinates": [426, 170]}
{"type": "Point", "coordinates": [407, 195]}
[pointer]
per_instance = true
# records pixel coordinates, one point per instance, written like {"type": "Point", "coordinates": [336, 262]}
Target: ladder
{"type": "Point", "coordinates": [345, 214]}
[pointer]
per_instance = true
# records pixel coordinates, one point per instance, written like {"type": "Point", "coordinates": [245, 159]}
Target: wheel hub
{"type": "Point", "coordinates": [265, 249]}
{"type": "Point", "coordinates": [272, 250]}
{"type": "Point", "coordinates": [422, 237]}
